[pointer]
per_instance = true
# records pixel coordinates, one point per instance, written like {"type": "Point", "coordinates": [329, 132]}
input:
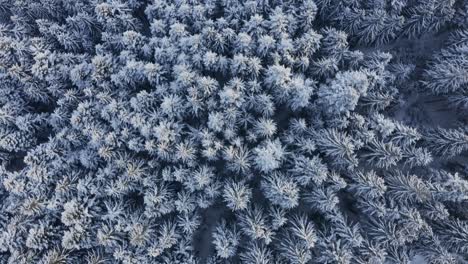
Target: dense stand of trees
{"type": "Point", "coordinates": [123, 123]}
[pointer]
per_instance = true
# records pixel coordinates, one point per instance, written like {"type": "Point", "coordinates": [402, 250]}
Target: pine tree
{"type": "Point", "coordinates": [341, 94]}
{"type": "Point", "coordinates": [226, 240]}
{"type": "Point", "coordinates": [383, 155]}
{"type": "Point", "coordinates": [269, 155]}
{"type": "Point", "coordinates": [280, 190]}
{"type": "Point", "coordinates": [368, 185]}
{"type": "Point", "coordinates": [294, 251]}
{"type": "Point", "coordinates": [447, 71]}
{"type": "Point", "coordinates": [254, 225]}
{"type": "Point", "coordinates": [307, 170]}
{"type": "Point", "coordinates": [337, 146]}
{"type": "Point", "coordinates": [257, 253]}
{"type": "Point", "coordinates": [303, 229]}
{"type": "Point", "coordinates": [237, 195]}
{"type": "Point", "coordinates": [447, 142]}
{"type": "Point", "coordinates": [407, 189]}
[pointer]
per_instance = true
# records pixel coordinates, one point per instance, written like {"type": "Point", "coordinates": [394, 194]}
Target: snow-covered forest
{"type": "Point", "coordinates": [233, 131]}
